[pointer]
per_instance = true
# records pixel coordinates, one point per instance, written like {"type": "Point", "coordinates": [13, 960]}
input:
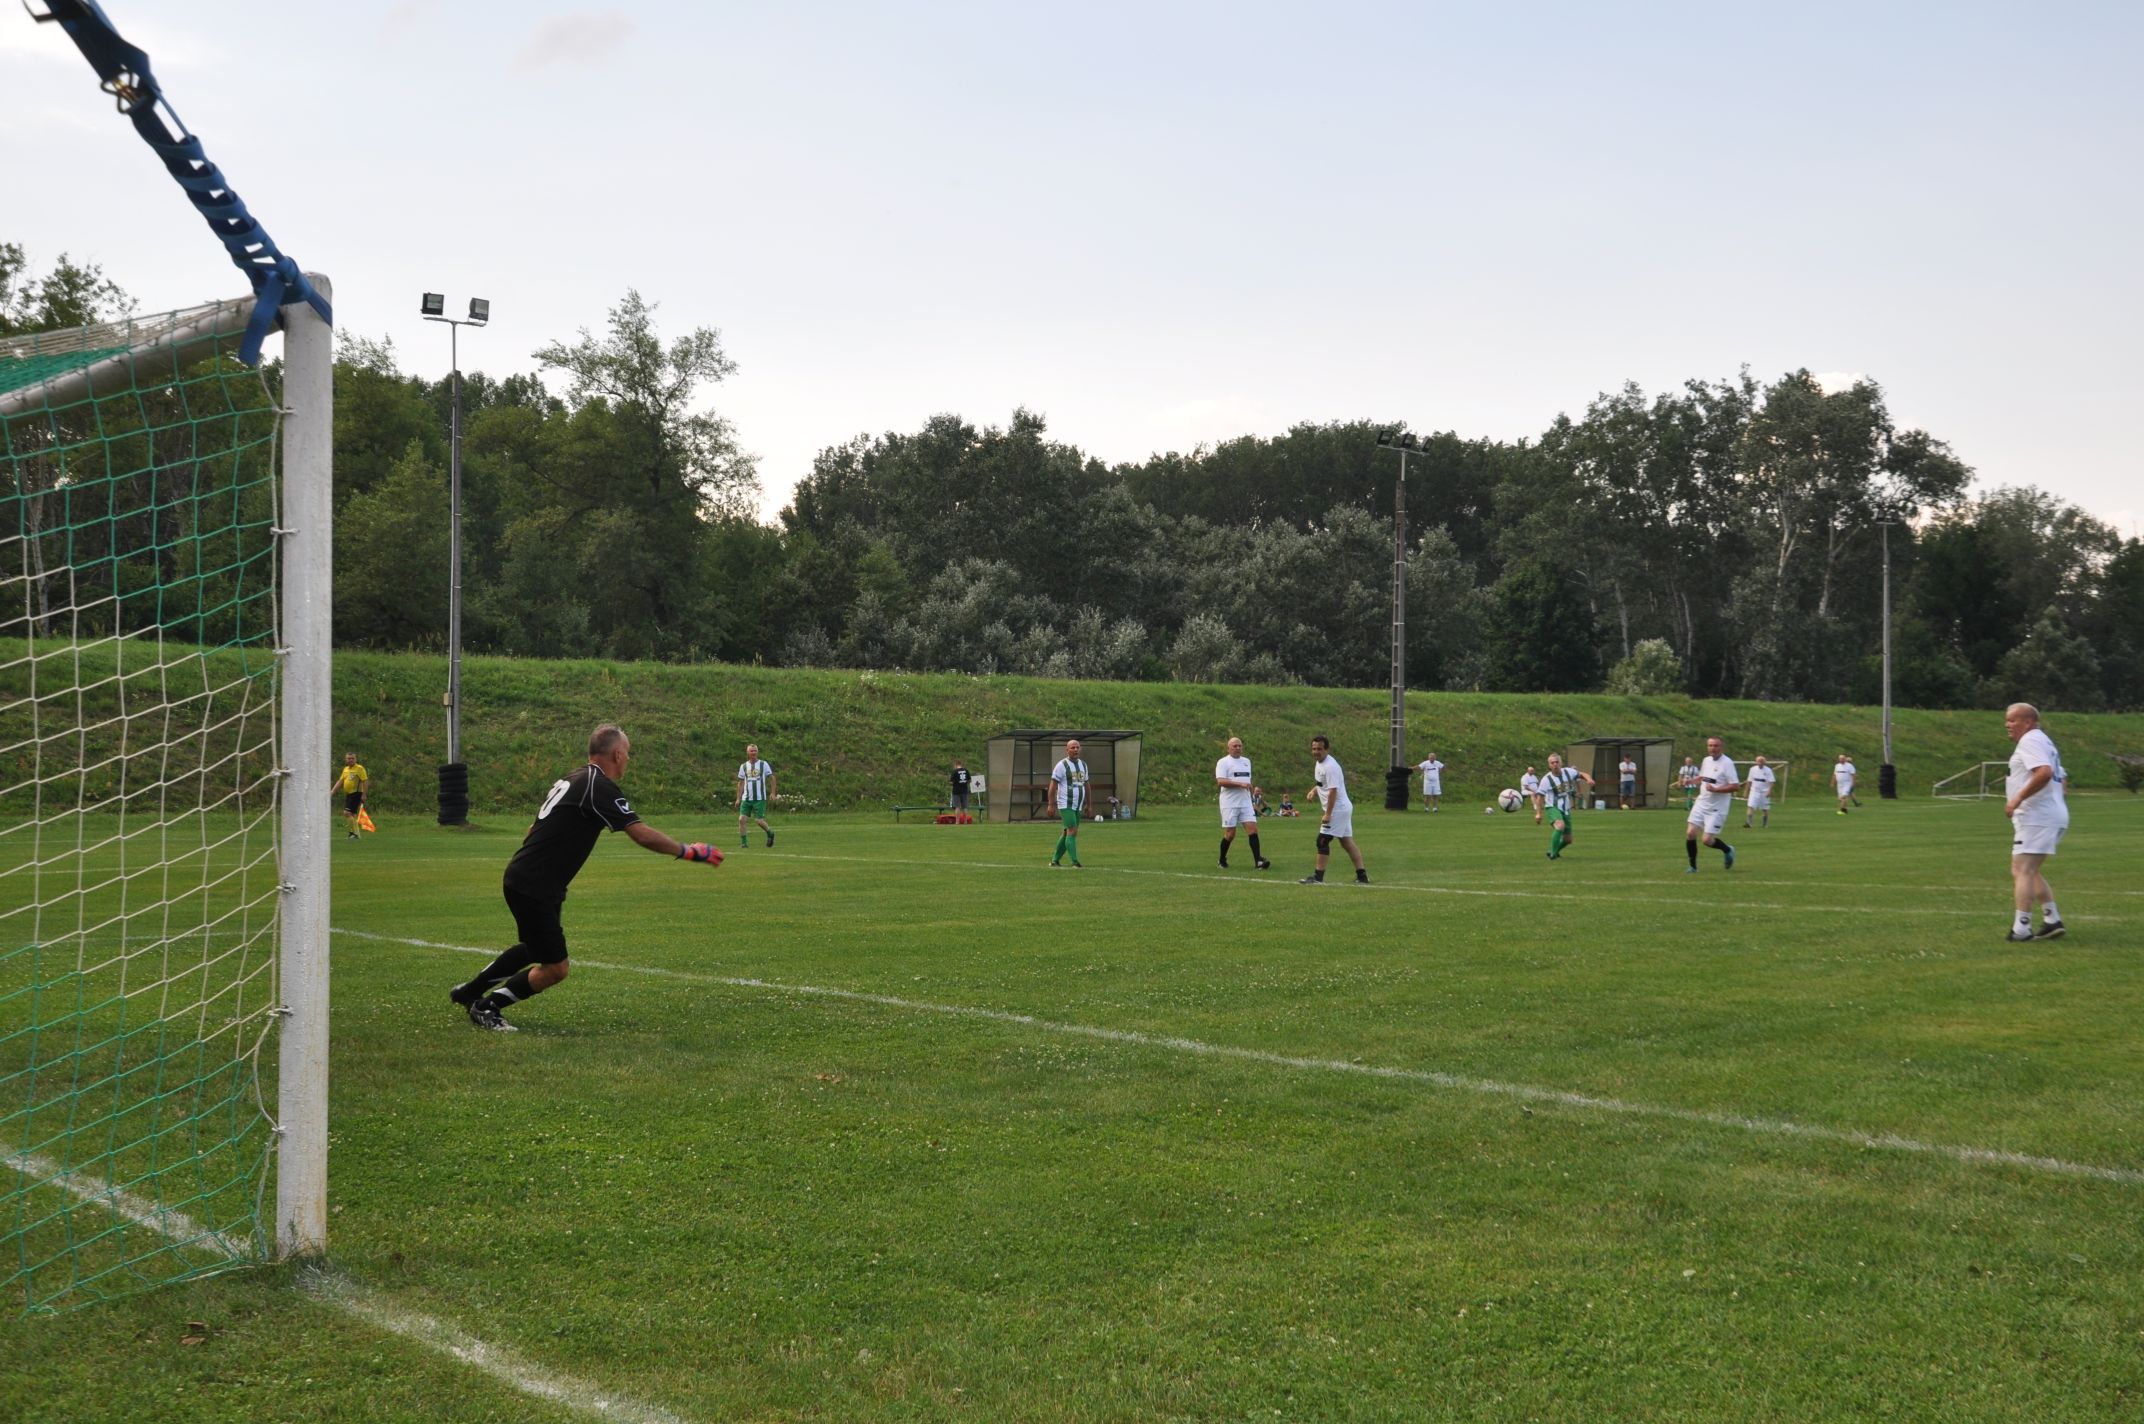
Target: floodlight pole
{"type": "Point", "coordinates": [1399, 615]}
{"type": "Point", "coordinates": [1396, 798]}
{"type": "Point", "coordinates": [454, 559]}
{"type": "Point", "coordinates": [1886, 777]}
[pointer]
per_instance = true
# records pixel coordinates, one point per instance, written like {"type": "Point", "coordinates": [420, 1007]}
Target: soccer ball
{"type": "Point", "coordinates": [1509, 799]}
{"type": "Point", "coordinates": [1101, 818]}
{"type": "Point", "coordinates": [1488, 810]}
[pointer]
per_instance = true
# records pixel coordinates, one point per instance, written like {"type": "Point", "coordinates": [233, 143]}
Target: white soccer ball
{"type": "Point", "coordinates": [1509, 799]}
{"type": "Point", "coordinates": [1488, 810]}
{"type": "Point", "coordinates": [1101, 818]}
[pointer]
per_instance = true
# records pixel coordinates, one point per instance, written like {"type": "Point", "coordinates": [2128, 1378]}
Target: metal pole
{"type": "Point", "coordinates": [1886, 642]}
{"type": "Point", "coordinates": [454, 560]}
{"type": "Point", "coordinates": [1399, 616]}
{"type": "Point", "coordinates": [301, 1177]}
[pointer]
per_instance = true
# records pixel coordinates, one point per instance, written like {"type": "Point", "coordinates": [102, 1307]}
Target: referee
{"type": "Point", "coordinates": [573, 817]}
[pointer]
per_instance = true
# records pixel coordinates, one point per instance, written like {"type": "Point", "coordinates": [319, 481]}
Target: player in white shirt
{"type": "Point", "coordinates": [1530, 788]}
{"type": "Point", "coordinates": [1336, 816]}
{"type": "Point", "coordinates": [1556, 788]}
{"type": "Point", "coordinates": [2036, 799]}
{"type": "Point", "coordinates": [1716, 783]}
{"type": "Point", "coordinates": [1626, 775]}
{"type": "Point", "coordinates": [1760, 783]}
{"type": "Point", "coordinates": [1432, 781]}
{"type": "Point", "coordinates": [1843, 776]}
{"type": "Point", "coordinates": [1232, 774]}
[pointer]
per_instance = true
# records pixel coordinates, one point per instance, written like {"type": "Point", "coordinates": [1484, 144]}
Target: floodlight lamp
{"type": "Point", "coordinates": [435, 304]}
{"type": "Point", "coordinates": [1408, 441]}
{"type": "Point", "coordinates": [480, 310]}
{"type": "Point", "coordinates": [1384, 437]}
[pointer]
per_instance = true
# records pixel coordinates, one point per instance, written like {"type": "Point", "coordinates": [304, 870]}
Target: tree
{"type": "Point", "coordinates": [1651, 670]}
{"type": "Point", "coordinates": [71, 294]}
{"type": "Point", "coordinates": [2053, 667]}
{"type": "Point", "coordinates": [1541, 635]}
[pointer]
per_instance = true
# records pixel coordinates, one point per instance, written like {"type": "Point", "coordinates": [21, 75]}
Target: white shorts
{"type": "Point", "coordinates": [1433, 786]}
{"type": "Point", "coordinates": [2027, 839]}
{"type": "Point", "coordinates": [1760, 800]}
{"type": "Point", "coordinates": [1846, 788]}
{"type": "Point", "coordinates": [1341, 826]}
{"type": "Point", "coordinates": [1234, 816]}
{"type": "Point", "coordinates": [1708, 819]}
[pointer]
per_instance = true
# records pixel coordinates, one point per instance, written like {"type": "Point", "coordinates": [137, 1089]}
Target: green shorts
{"type": "Point", "coordinates": [755, 809]}
{"type": "Point", "coordinates": [1069, 817]}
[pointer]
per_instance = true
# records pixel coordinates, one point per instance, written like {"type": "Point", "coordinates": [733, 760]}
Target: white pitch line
{"type": "Point", "coordinates": [357, 1300]}
{"type": "Point", "coordinates": [1456, 1082]}
{"type": "Point", "coordinates": [1669, 901]}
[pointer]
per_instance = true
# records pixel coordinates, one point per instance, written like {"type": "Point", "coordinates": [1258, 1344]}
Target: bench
{"type": "Point", "coordinates": [934, 810]}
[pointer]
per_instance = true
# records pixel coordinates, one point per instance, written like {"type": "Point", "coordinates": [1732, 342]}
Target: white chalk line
{"type": "Point", "coordinates": [354, 1299]}
{"type": "Point", "coordinates": [1343, 880]}
{"type": "Point", "coordinates": [1456, 1082]}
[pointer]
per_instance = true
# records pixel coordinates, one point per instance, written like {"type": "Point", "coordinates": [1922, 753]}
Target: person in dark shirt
{"type": "Point", "coordinates": [960, 787]}
{"type": "Point", "coordinates": [574, 816]}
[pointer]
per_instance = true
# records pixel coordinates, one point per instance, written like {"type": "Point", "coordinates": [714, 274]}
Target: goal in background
{"type": "Point", "coordinates": [164, 767]}
{"type": "Point", "coordinates": [1975, 783]}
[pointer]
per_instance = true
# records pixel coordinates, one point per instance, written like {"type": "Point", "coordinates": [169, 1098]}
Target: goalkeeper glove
{"type": "Point", "coordinates": [700, 851]}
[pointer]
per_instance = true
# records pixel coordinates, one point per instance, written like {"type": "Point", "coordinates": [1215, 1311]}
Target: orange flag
{"type": "Point", "coordinates": [364, 820]}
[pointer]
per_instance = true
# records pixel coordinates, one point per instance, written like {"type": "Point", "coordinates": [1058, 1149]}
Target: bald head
{"type": "Point", "coordinates": [2020, 718]}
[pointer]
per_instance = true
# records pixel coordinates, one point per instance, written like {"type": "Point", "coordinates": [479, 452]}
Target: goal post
{"type": "Point", "coordinates": [164, 761]}
{"type": "Point", "coordinates": [1972, 784]}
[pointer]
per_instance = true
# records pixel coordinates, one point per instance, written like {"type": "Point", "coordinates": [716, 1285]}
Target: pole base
{"type": "Point", "coordinates": [454, 794]}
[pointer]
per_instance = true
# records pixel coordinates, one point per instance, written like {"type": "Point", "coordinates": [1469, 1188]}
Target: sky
{"type": "Point", "coordinates": [1164, 225]}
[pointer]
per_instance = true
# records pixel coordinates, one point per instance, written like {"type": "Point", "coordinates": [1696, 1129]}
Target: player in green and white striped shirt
{"type": "Point", "coordinates": [1069, 781]}
{"type": "Point", "coordinates": [755, 788]}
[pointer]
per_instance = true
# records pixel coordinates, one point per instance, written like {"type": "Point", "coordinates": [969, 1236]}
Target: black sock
{"type": "Point", "coordinates": [1363, 876]}
{"type": "Point", "coordinates": [1724, 848]}
{"type": "Point", "coordinates": [513, 991]}
{"type": "Point", "coordinates": [1224, 850]}
{"type": "Point", "coordinates": [496, 972]}
{"type": "Point", "coordinates": [1255, 854]}
{"type": "Point", "coordinates": [1691, 846]}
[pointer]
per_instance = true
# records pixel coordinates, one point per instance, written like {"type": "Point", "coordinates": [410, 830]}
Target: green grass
{"type": "Point", "coordinates": [689, 1181]}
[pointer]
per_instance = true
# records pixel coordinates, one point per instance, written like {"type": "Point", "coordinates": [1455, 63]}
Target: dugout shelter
{"type": "Point", "coordinates": [1018, 782]}
{"type": "Point", "coordinates": [1598, 757]}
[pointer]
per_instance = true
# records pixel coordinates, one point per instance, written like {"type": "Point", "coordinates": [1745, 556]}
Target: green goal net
{"type": "Point", "coordinates": [140, 779]}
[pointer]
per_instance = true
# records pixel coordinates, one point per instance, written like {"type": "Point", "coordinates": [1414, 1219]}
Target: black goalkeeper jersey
{"type": "Point", "coordinates": [575, 814]}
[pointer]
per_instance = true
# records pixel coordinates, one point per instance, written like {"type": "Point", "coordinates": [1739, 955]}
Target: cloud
{"type": "Point", "coordinates": [584, 37]}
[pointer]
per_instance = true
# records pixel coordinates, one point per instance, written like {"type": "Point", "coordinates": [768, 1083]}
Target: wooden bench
{"type": "Point", "coordinates": [934, 810]}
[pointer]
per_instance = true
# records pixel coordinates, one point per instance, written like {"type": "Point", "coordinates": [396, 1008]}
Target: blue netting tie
{"type": "Point", "coordinates": [277, 279]}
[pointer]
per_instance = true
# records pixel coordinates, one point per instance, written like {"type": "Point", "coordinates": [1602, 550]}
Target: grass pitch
{"type": "Point", "coordinates": [899, 1123]}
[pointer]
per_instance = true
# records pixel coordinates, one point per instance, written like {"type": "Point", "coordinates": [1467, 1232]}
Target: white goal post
{"type": "Point", "coordinates": [164, 846]}
{"type": "Point", "coordinates": [1972, 784]}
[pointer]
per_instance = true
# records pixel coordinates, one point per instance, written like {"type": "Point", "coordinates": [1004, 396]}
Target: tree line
{"type": "Point", "coordinates": [1721, 539]}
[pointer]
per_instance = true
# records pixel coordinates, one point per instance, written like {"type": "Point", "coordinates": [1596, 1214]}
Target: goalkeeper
{"type": "Point", "coordinates": [574, 816]}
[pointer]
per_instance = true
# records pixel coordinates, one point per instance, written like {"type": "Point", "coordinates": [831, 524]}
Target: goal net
{"type": "Point", "coordinates": [145, 874]}
{"type": "Point", "coordinates": [1975, 783]}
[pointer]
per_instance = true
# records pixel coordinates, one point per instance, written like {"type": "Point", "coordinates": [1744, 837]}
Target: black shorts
{"type": "Point", "coordinates": [352, 803]}
{"type": "Point", "coordinates": [536, 925]}
{"type": "Point", "coordinates": [960, 800]}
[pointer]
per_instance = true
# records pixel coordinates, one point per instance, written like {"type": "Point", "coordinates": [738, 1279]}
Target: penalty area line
{"type": "Point", "coordinates": [350, 1297]}
{"type": "Point", "coordinates": [1453, 1082]}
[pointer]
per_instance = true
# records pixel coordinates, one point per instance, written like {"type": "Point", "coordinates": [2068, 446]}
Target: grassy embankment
{"type": "Point", "coordinates": [850, 740]}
